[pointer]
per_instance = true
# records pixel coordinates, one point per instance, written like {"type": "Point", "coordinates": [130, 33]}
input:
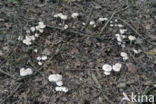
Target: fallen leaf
{"type": "Point", "coordinates": [132, 68]}
{"type": "Point", "coordinates": [151, 52]}
{"type": "Point", "coordinates": [75, 51]}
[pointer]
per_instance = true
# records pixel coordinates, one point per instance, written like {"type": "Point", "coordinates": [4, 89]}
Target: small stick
{"type": "Point", "coordinates": [100, 87]}
{"type": "Point", "coordinates": [137, 33]}
{"type": "Point", "coordinates": [3, 101]}
{"type": "Point", "coordinates": [103, 28]}
{"type": "Point", "coordinates": [5, 73]}
{"type": "Point", "coordinates": [90, 14]}
{"type": "Point", "coordinates": [80, 33]}
{"type": "Point", "coordinates": [113, 14]}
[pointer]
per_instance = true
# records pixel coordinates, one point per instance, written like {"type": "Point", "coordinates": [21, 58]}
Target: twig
{"type": "Point", "coordinates": [131, 55]}
{"type": "Point", "coordinates": [80, 33]}
{"type": "Point", "coordinates": [136, 32]}
{"type": "Point", "coordinates": [5, 73]}
{"type": "Point", "coordinates": [3, 101]}
{"type": "Point", "coordinates": [100, 87]}
{"type": "Point", "coordinates": [90, 14]}
{"type": "Point", "coordinates": [103, 28]}
{"type": "Point", "coordinates": [113, 14]}
{"type": "Point", "coordinates": [146, 91]}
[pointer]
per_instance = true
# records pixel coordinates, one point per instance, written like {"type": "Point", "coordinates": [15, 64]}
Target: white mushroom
{"type": "Point", "coordinates": [117, 35]}
{"type": "Point", "coordinates": [106, 73]}
{"type": "Point", "coordinates": [65, 27]}
{"type": "Point", "coordinates": [92, 22]}
{"type": "Point", "coordinates": [117, 67]}
{"type": "Point", "coordinates": [36, 35]}
{"type": "Point", "coordinates": [41, 25]}
{"type": "Point", "coordinates": [40, 30]}
{"type": "Point", "coordinates": [102, 19]}
{"type": "Point", "coordinates": [25, 72]}
{"type": "Point", "coordinates": [32, 29]}
{"type": "Point", "coordinates": [55, 77]}
{"type": "Point", "coordinates": [59, 83]}
{"type": "Point", "coordinates": [44, 58]}
{"type": "Point", "coordinates": [116, 20]}
{"type": "Point", "coordinates": [35, 50]}
{"type": "Point", "coordinates": [27, 41]}
{"type": "Point", "coordinates": [32, 37]}
{"type": "Point", "coordinates": [39, 58]}
{"type": "Point", "coordinates": [63, 17]}
{"type": "Point", "coordinates": [39, 63]}
{"type": "Point", "coordinates": [111, 25]}
{"type": "Point", "coordinates": [122, 31]}
{"type": "Point", "coordinates": [107, 67]}
{"type": "Point", "coordinates": [131, 38]}
{"type": "Point", "coordinates": [83, 23]}
{"type": "Point", "coordinates": [124, 55]}
{"type": "Point", "coordinates": [119, 25]}
{"type": "Point", "coordinates": [119, 39]}
{"type": "Point", "coordinates": [136, 51]}
{"type": "Point", "coordinates": [75, 15]}
{"type": "Point", "coordinates": [20, 38]}
{"type": "Point", "coordinates": [61, 89]}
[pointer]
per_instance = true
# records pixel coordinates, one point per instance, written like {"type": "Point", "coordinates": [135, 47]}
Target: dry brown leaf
{"type": "Point", "coordinates": [132, 68]}
{"type": "Point", "coordinates": [75, 51]}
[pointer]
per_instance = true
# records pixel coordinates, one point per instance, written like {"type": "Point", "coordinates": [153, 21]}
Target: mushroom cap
{"type": "Point", "coordinates": [92, 22]}
{"type": "Point", "coordinates": [32, 37]}
{"type": "Point", "coordinates": [122, 31]}
{"type": "Point", "coordinates": [59, 83]}
{"type": "Point", "coordinates": [63, 17]}
{"type": "Point", "coordinates": [101, 19]}
{"type": "Point", "coordinates": [117, 67]}
{"type": "Point", "coordinates": [136, 51]}
{"type": "Point", "coordinates": [42, 26]}
{"type": "Point", "coordinates": [107, 67]}
{"type": "Point", "coordinates": [131, 38]}
{"type": "Point", "coordinates": [117, 35]}
{"type": "Point", "coordinates": [75, 15]}
{"type": "Point", "coordinates": [25, 72]}
{"type": "Point", "coordinates": [123, 54]}
{"type": "Point", "coordinates": [27, 41]}
{"type": "Point", "coordinates": [63, 89]}
{"type": "Point", "coordinates": [40, 63]}
{"type": "Point", "coordinates": [32, 29]}
{"type": "Point", "coordinates": [44, 58]}
{"type": "Point", "coordinates": [120, 25]}
{"type": "Point", "coordinates": [55, 77]}
{"type": "Point", "coordinates": [119, 39]}
{"type": "Point", "coordinates": [36, 35]}
{"type": "Point", "coordinates": [107, 73]}
{"type": "Point", "coordinates": [65, 26]}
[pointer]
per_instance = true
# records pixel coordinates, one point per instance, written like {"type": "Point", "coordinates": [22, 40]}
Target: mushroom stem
{"type": "Point", "coordinates": [130, 42]}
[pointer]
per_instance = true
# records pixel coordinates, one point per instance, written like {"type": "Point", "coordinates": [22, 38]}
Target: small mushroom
{"type": "Point", "coordinates": [124, 56]}
{"type": "Point", "coordinates": [61, 89]}
{"type": "Point", "coordinates": [59, 83]}
{"type": "Point", "coordinates": [25, 72]}
{"type": "Point", "coordinates": [131, 38]}
{"type": "Point", "coordinates": [75, 15]}
{"type": "Point", "coordinates": [55, 77]}
{"type": "Point", "coordinates": [117, 67]}
{"type": "Point", "coordinates": [107, 67]}
{"type": "Point", "coordinates": [106, 73]}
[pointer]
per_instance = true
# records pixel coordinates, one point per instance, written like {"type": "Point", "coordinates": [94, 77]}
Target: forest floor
{"type": "Point", "coordinates": [78, 52]}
